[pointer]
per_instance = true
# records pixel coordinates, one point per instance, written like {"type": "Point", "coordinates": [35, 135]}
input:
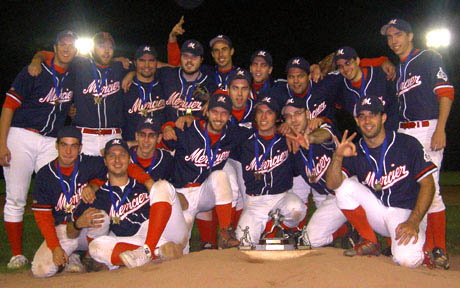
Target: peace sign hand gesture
{"type": "Point", "coordinates": [345, 148]}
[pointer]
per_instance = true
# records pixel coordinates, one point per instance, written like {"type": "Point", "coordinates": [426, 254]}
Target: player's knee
{"type": "Point", "coordinates": [410, 259]}
{"type": "Point", "coordinates": [43, 269]}
{"type": "Point", "coordinates": [97, 247]}
{"type": "Point", "coordinates": [316, 239]}
{"type": "Point", "coordinates": [161, 191]}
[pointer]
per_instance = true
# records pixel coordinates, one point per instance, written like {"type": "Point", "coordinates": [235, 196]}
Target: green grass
{"type": "Point", "coordinates": [449, 178]}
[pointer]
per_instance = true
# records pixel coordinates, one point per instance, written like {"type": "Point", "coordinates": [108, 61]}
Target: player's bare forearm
{"type": "Point", "coordinates": [425, 196]}
{"type": "Point", "coordinates": [334, 176]}
{"type": "Point", "coordinates": [148, 184]}
{"type": "Point", "coordinates": [38, 57]}
{"type": "Point", "coordinates": [5, 123]}
{"type": "Point", "coordinates": [72, 232]}
{"type": "Point", "coordinates": [319, 136]}
{"type": "Point", "coordinates": [445, 105]}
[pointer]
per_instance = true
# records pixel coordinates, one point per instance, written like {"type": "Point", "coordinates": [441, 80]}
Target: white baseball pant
{"type": "Point", "coordinates": [94, 143]}
{"type": "Point", "coordinates": [301, 188]}
{"type": "Point", "coordinates": [383, 220]}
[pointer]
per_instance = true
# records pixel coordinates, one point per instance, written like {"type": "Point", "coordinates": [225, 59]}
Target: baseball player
{"type": "Point", "coordinates": [57, 193]}
{"type": "Point", "coordinates": [128, 206]}
{"type": "Point", "coordinates": [261, 68]}
{"type": "Point", "coordinates": [392, 190]}
{"type": "Point", "coordinates": [267, 173]}
{"type": "Point", "coordinates": [34, 110]}
{"type": "Point", "coordinates": [144, 99]}
{"type": "Point", "coordinates": [360, 81]}
{"type": "Point", "coordinates": [425, 98]}
{"type": "Point", "coordinates": [311, 162]}
{"type": "Point", "coordinates": [201, 152]}
{"type": "Point", "coordinates": [98, 96]}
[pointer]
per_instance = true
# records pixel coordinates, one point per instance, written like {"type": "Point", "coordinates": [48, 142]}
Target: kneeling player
{"type": "Point", "coordinates": [57, 193]}
{"type": "Point", "coordinates": [126, 205]}
{"type": "Point", "coordinates": [395, 186]}
{"type": "Point", "coordinates": [267, 173]}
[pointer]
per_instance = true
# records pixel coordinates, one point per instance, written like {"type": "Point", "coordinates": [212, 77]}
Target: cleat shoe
{"type": "Point", "coordinates": [92, 265]}
{"type": "Point", "coordinates": [17, 262]}
{"type": "Point", "coordinates": [207, 246]}
{"type": "Point", "coordinates": [428, 260]}
{"type": "Point", "coordinates": [227, 238]}
{"type": "Point", "coordinates": [74, 265]}
{"type": "Point", "coordinates": [351, 238]}
{"type": "Point", "coordinates": [440, 258]}
{"type": "Point", "coordinates": [387, 252]}
{"type": "Point", "coordinates": [170, 251]}
{"type": "Point", "coordinates": [136, 258]}
{"type": "Point", "coordinates": [365, 247]}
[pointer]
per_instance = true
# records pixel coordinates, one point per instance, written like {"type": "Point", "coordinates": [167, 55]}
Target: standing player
{"type": "Point", "coordinates": [35, 109]}
{"type": "Point", "coordinates": [261, 68]}
{"type": "Point", "coordinates": [267, 173]}
{"type": "Point", "coordinates": [425, 96]}
{"type": "Point", "coordinates": [145, 98]}
{"type": "Point", "coordinates": [57, 193]}
{"type": "Point", "coordinates": [361, 81]}
{"type": "Point", "coordinates": [311, 162]}
{"type": "Point", "coordinates": [136, 215]}
{"type": "Point", "coordinates": [393, 189]}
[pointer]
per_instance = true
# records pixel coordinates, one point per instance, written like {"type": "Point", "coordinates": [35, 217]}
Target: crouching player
{"type": "Point", "coordinates": [127, 206]}
{"type": "Point", "coordinates": [57, 193]}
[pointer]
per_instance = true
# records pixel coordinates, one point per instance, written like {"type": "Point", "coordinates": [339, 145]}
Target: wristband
{"type": "Point", "coordinates": [75, 226]}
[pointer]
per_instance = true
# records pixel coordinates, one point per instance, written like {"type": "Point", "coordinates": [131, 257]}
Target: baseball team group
{"type": "Point", "coordinates": [128, 155]}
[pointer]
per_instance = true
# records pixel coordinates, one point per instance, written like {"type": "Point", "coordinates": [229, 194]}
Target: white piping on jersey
{"type": "Point", "coordinates": [182, 84]}
{"type": "Point", "coordinates": [52, 110]}
{"type": "Point", "coordinates": [371, 75]}
{"type": "Point", "coordinates": [271, 156]}
{"type": "Point", "coordinates": [442, 86]}
{"type": "Point", "coordinates": [204, 140]}
{"type": "Point", "coordinates": [325, 126]}
{"type": "Point", "coordinates": [57, 176]}
{"type": "Point", "coordinates": [143, 89]}
{"type": "Point", "coordinates": [404, 79]}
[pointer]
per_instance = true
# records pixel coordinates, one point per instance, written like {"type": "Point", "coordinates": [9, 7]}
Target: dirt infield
{"type": "Point", "coordinates": [230, 268]}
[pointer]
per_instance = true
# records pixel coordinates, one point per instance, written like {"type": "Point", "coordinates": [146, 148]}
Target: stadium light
{"type": "Point", "coordinates": [84, 45]}
{"type": "Point", "coordinates": [438, 38]}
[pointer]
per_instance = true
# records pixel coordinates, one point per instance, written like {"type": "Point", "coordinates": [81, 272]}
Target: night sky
{"type": "Point", "coordinates": [308, 28]}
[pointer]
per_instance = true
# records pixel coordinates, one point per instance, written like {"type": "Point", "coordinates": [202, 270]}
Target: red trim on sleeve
{"type": "Point", "coordinates": [169, 123]}
{"type": "Point", "coordinates": [45, 223]}
{"type": "Point", "coordinates": [346, 171]}
{"type": "Point", "coordinates": [325, 119]}
{"type": "Point", "coordinates": [447, 92]}
{"type": "Point", "coordinates": [424, 171]}
{"type": "Point", "coordinates": [374, 62]}
{"type": "Point", "coordinates": [136, 172]}
{"type": "Point", "coordinates": [97, 182]}
{"type": "Point", "coordinates": [48, 55]}
{"type": "Point", "coordinates": [173, 54]}
{"type": "Point", "coordinates": [11, 103]}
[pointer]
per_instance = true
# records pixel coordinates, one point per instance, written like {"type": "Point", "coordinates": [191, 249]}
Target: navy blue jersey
{"type": "Point", "coordinates": [176, 89]}
{"type": "Point", "coordinates": [219, 78]}
{"type": "Point", "coordinates": [107, 114]}
{"type": "Point", "coordinates": [320, 159]}
{"type": "Point", "coordinates": [268, 84]}
{"type": "Point", "coordinates": [133, 212]}
{"type": "Point", "coordinates": [162, 168]}
{"type": "Point", "coordinates": [140, 105]}
{"type": "Point", "coordinates": [276, 169]}
{"type": "Point", "coordinates": [48, 194]}
{"type": "Point", "coordinates": [405, 164]}
{"type": "Point", "coordinates": [319, 101]}
{"type": "Point", "coordinates": [39, 107]}
{"type": "Point", "coordinates": [191, 161]}
{"type": "Point", "coordinates": [248, 115]}
{"type": "Point", "coordinates": [418, 82]}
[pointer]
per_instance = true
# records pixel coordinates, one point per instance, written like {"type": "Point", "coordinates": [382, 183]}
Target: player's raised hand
{"type": "Point", "coordinates": [127, 81]}
{"type": "Point", "coordinates": [60, 258]}
{"type": "Point", "coordinates": [315, 73]}
{"type": "Point", "coordinates": [345, 148]}
{"type": "Point", "coordinates": [405, 231]}
{"type": "Point", "coordinates": [302, 139]}
{"type": "Point", "coordinates": [124, 61]}
{"type": "Point", "coordinates": [169, 134]}
{"type": "Point", "coordinates": [184, 120]}
{"type": "Point", "coordinates": [5, 156]}
{"type": "Point", "coordinates": [389, 69]}
{"type": "Point", "coordinates": [438, 140]}
{"type": "Point", "coordinates": [177, 30]}
{"type": "Point", "coordinates": [313, 124]}
{"type": "Point", "coordinates": [34, 69]}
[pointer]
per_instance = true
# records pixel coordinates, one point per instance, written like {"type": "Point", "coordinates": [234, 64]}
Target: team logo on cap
{"type": "Point", "coordinates": [146, 48]}
{"type": "Point", "coordinates": [116, 141]}
{"type": "Point", "coordinates": [221, 99]}
{"type": "Point", "coordinates": [393, 21]}
{"type": "Point", "coordinates": [290, 101]}
{"type": "Point", "coordinates": [366, 101]}
{"type": "Point", "coordinates": [240, 73]}
{"type": "Point", "coordinates": [340, 52]}
{"type": "Point", "coordinates": [262, 53]}
{"type": "Point", "coordinates": [191, 45]}
{"type": "Point", "coordinates": [267, 99]}
{"type": "Point", "coordinates": [296, 61]}
{"type": "Point", "coordinates": [220, 36]}
{"type": "Point", "coordinates": [148, 121]}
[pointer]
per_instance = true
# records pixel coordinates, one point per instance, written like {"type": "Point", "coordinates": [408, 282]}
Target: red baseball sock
{"type": "Point", "coordinates": [14, 231]}
{"type": "Point", "coordinates": [342, 231]}
{"type": "Point", "coordinates": [358, 219]}
{"type": "Point", "coordinates": [224, 215]}
{"type": "Point", "coordinates": [89, 239]}
{"type": "Point", "coordinates": [160, 212]}
{"type": "Point", "coordinates": [120, 248]}
{"type": "Point", "coordinates": [437, 221]}
{"type": "Point", "coordinates": [388, 241]}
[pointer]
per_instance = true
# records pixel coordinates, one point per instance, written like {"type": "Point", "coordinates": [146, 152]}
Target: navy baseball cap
{"type": "Point", "coordinates": [192, 46]}
{"type": "Point", "coordinates": [102, 37]}
{"type": "Point", "coordinates": [64, 34]}
{"type": "Point", "coordinates": [298, 62]}
{"type": "Point", "coordinates": [346, 53]}
{"type": "Point", "coordinates": [398, 24]}
{"type": "Point", "coordinates": [221, 99]}
{"type": "Point", "coordinates": [116, 142]}
{"type": "Point", "coordinates": [264, 55]}
{"type": "Point", "coordinates": [149, 123]}
{"type": "Point", "coordinates": [145, 49]}
{"type": "Point", "coordinates": [220, 37]}
{"type": "Point", "coordinates": [296, 102]}
{"type": "Point", "coordinates": [239, 73]}
{"type": "Point", "coordinates": [265, 97]}
{"type": "Point", "coordinates": [69, 131]}
{"type": "Point", "coordinates": [369, 103]}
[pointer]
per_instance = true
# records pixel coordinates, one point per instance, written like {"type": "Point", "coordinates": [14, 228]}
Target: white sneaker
{"type": "Point", "coordinates": [74, 265]}
{"type": "Point", "coordinates": [17, 262]}
{"type": "Point", "coordinates": [136, 258]}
